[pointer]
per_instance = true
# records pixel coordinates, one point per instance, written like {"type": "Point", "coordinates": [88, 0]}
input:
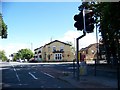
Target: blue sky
{"type": "Point", "coordinates": [38, 22]}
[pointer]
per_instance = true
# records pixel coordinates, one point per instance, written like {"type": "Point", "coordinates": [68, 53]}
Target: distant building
{"type": "Point", "coordinates": [54, 51]}
{"type": "Point", "coordinates": [38, 53]}
{"type": "Point", "coordinates": [89, 52]}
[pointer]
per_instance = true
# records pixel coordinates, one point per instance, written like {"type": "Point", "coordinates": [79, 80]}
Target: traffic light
{"type": "Point", "coordinates": [79, 21]}
{"type": "Point", "coordinates": [4, 33]}
{"type": "Point", "coordinates": [89, 22]}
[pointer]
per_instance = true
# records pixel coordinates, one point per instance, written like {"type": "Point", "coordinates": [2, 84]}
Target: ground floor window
{"type": "Point", "coordinates": [40, 56]}
{"type": "Point", "coordinates": [58, 56]}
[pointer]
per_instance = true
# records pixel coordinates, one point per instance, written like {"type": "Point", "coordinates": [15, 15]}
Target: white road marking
{"type": "Point", "coordinates": [59, 87]}
{"type": "Point", "coordinates": [72, 67]}
{"type": "Point", "coordinates": [16, 73]}
{"type": "Point", "coordinates": [33, 75]}
{"type": "Point", "coordinates": [22, 84]}
{"type": "Point", "coordinates": [42, 86]}
{"type": "Point", "coordinates": [49, 75]}
{"type": "Point", "coordinates": [17, 77]}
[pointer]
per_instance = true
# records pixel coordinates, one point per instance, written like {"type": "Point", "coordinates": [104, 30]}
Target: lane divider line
{"type": "Point", "coordinates": [16, 73]}
{"type": "Point", "coordinates": [32, 75]}
{"type": "Point", "coordinates": [49, 75]}
{"type": "Point", "coordinates": [17, 77]}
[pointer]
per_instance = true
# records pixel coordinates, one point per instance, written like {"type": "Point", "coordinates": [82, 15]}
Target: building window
{"type": "Point", "coordinates": [40, 56]}
{"type": "Point", "coordinates": [61, 48]}
{"type": "Point", "coordinates": [35, 52]}
{"type": "Point", "coordinates": [39, 52]}
{"type": "Point", "coordinates": [58, 56]}
{"type": "Point", "coordinates": [92, 51]}
{"type": "Point", "coordinates": [54, 48]}
{"type": "Point", "coordinates": [48, 48]}
{"type": "Point", "coordinates": [87, 51]}
{"type": "Point", "coordinates": [49, 57]}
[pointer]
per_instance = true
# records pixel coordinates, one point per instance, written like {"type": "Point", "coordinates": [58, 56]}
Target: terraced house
{"type": "Point", "coordinates": [54, 51]}
{"type": "Point", "coordinates": [89, 51]}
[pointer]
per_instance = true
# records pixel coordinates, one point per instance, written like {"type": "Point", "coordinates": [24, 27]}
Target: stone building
{"type": "Point", "coordinates": [54, 51]}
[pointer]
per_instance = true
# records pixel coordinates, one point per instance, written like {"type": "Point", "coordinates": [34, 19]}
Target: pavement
{"type": "Point", "coordinates": [88, 81]}
{"type": "Point", "coordinates": [85, 81]}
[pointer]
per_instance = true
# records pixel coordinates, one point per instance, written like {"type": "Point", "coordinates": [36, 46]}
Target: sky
{"type": "Point", "coordinates": [34, 24]}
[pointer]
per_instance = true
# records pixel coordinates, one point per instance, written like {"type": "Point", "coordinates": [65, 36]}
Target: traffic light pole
{"type": "Point", "coordinates": [118, 62]}
{"type": "Point", "coordinates": [77, 45]}
{"type": "Point", "coordinates": [77, 51]}
{"type": "Point", "coordinates": [77, 40]}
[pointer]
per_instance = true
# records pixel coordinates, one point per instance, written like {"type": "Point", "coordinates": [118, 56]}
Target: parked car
{"type": "Point", "coordinates": [18, 60]}
{"type": "Point", "coordinates": [26, 60]}
{"type": "Point", "coordinates": [33, 60]}
{"type": "Point", "coordinates": [22, 60]}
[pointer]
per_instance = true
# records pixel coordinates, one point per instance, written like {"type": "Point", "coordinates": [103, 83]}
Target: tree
{"type": "Point", "coordinates": [23, 54]}
{"type": "Point", "coordinates": [3, 28]}
{"type": "Point", "coordinates": [108, 22]}
{"type": "Point", "coordinates": [109, 27]}
{"type": "Point", "coordinates": [3, 56]}
{"type": "Point", "coordinates": [16, 56]}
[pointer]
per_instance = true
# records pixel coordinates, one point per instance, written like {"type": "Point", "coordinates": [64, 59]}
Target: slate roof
{"type": "Point", "coordinates": [84, 49]}
{"type": "Point", "coordinates": [38, 48]}
{"type": "Point", "coordinates": [57, 41]}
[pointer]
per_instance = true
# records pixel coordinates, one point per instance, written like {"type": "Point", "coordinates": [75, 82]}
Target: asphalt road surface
{"type": "Point", "coordinates": [16, 75]}
{"type": "Point", "coordinates": [41, 75]}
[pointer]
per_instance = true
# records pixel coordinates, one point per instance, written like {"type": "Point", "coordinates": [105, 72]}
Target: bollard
{"type": "Point", "coordinates": [83, 68]}
{"type": "Point", "coordinates": [74, 68]}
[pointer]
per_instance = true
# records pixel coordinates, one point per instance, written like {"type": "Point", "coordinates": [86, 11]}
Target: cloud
{"type": "Point", "coordinates": [13, 48]}
{"type": "Point", "coordinates": [71, 36]}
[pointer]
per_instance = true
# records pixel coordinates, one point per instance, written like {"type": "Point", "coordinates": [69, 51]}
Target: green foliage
{"type": "Point", "coordinates": [107, 15]}
{"type": "Point", "coordinates": [0, 22]}
{"type": "Point", "coordinates": [23, 54]}
{"type": "Point", "coordinates": [3, 56]}
{"type": "Point", "coordinates": [109, 27]}
{"type": "Point", "coordinates": [3, 28]}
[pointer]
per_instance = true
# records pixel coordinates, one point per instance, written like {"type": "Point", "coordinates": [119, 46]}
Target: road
{"type": "Point", "coordinates": [18, 75]}
{"type": "Point", "coordinates": [41, 75]}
